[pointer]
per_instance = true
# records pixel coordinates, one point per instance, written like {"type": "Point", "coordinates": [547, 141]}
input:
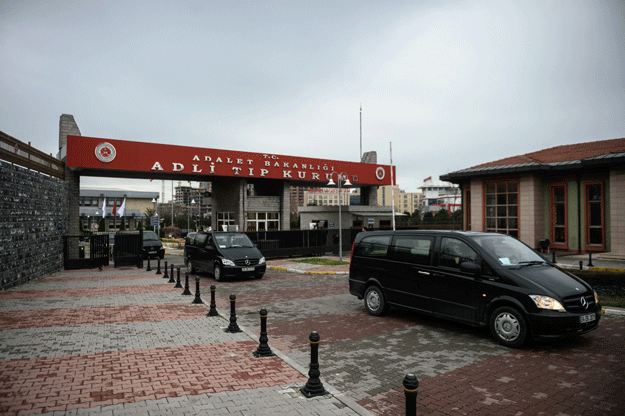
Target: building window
{"type": "Point", "coordinates": [558, 211]}
{"type": "Point", "coordinates": [224, 219]}
{"type": "Point", "coordinates": [263, 221]}
{"type": "Point", "coordinates": [595, 230]}
{"type": "Point", "coordinates": [502, 207]}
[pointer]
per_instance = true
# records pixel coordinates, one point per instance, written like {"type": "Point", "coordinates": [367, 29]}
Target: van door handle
{"type": "Point", "coordinates": [425, 273]}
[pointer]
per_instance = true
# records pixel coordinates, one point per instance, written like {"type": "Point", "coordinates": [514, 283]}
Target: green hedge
{"type": "Point", "coordinates": [600, 277]}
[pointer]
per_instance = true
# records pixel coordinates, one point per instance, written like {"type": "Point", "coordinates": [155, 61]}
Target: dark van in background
{"type": "Point", "coordinates": [223, 254]}
{"type": "Point", "coordinates": [152, 246]}
{"type": "Point", "coordinates": [481, 279]}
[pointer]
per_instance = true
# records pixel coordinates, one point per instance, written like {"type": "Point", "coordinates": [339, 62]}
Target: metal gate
{"type": "Point", "coordinates": [85, 252]}
{"type": "Point", "coordinates": [127, 249]}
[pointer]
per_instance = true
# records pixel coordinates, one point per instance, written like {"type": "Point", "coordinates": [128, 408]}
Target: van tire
{"type": "Point", "coordinates": [217, 273]}
{"type": "Point", "coordinates": [374, 301]}
{"type": "Point", "coordinates": [190, 267]}
{"type": "Point", "coordinates": [508, 326]}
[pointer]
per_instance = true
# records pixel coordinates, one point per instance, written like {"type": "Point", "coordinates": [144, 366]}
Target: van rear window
{"type": "Point", "coordinates": [373, 246]}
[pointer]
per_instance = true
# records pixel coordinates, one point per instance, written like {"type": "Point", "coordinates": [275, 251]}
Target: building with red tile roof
{"type": "Point", "coordinates": [572, 195]}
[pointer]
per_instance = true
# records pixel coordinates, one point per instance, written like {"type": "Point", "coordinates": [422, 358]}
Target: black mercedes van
{"type": "Point", "coordinates": [225, 255]}
{"type": "Point", "coordinates": [481, 279]}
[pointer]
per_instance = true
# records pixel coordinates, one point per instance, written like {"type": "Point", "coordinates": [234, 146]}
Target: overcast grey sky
{"type": "Point", "coordinates": [451, 84]}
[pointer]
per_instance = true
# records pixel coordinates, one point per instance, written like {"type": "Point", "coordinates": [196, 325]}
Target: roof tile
{"type": "Point", "coordinates": [565, 153]}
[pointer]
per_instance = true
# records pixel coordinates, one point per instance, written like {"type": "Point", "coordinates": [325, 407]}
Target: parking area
{"type": "Point", "coordinates": [126, 342]}
{"type": "Point", "coordinates": [461, 369]}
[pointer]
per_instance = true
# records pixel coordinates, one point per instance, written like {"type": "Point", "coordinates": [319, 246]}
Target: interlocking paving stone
{"type": "Point", "coordinates": [84, 291]}
{"type": "Point", "coordinates": [101, 315]}
{"type": "Point", "coordinates": [147, 298]}
{"type": "Point", "coordinates": [100, 379]}
{"type": "Point", "coordinates": [563, 378]}
{"type": "Point", "coordinates": [73, 319]}
{"type": "Point", "coordinates": [82, 339]}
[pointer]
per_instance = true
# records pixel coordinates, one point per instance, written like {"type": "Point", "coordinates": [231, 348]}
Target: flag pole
{"type": "Point", "coordinates": [392, 185]}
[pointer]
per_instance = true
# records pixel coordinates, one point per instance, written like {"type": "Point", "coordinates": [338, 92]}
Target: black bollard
{"type": "Point", "coordinates": [171, 275]}
{"type": "Point", "coordinates": [166, 276]}
{"type": "Point", "coordinates": [213, 310]}
{"type": "Point", "coordinates": [233, 327]}
{"type": "Point", "coordinates": [158, 270]}
{"type": "Point", "coordinates": [186, 292]}
{"type": "Point", "coordinates": [410, 391]}
{"type": "Point", "coordinates": [581, 265]}
{"type": "Point", "coordinates": [198, 299]}
{"type": "Point", "coordinates": [149, 269]}
{"type": "Point", "coordinates": [553, 257]}
{"type": "Point", "coordinates": [263, 349]}
{"type": "Point", "coordinates": [313, 386]}
{"type": "Point", "coordinates": [178, 284]}
{"type": "Point", "coordinates": [590, 260]}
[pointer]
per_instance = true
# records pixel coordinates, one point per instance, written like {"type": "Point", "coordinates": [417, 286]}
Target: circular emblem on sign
{"type": "Point", "coordinates": [379, 173]}
{"type": "Point", "coordinates": [105, 152]}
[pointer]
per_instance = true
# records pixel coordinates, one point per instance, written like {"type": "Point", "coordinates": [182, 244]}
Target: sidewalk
{"type": "Point", "coordinates": [599, 262]}
{"type": "Point", "coordinates": [124, 341]}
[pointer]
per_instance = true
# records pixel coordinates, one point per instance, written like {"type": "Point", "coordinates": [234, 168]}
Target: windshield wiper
{"type": "Point", "coordinates": [531, 263]}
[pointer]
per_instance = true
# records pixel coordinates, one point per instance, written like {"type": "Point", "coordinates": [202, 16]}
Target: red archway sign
{"type": "Point", "coordinates": [121, 158]}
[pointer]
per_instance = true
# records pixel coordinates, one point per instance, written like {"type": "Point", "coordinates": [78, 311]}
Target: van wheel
{"type": "Point", "coordinates": [190, 267]}
{"type": "Point", "coordinates": [508, 326]}
{"type": "Point", "coordinates": [374, 301]}
{"type": "Point", "coordinates": [217, 273]}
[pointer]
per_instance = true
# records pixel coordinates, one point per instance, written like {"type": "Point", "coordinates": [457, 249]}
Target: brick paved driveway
{"type": "Point", "coordinates": [125, 342]}
{"type": "Point", "coordinates": [461, 369]}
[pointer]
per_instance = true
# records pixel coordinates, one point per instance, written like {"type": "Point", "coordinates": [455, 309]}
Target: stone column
{"type": "Point", "coordinates": [285, 206]}
{"type": "Point", "coordinates": [68, 126]}
{"type": "Point", "coordinates": [229, 195]}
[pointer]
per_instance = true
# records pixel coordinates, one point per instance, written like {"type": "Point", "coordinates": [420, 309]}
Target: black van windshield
{"type": "Point", "coordinates": [508, 250]}
{"type": "Point", "coordinates": [232, 240]}
{"type": "Point", "coordinates": [150, 235]}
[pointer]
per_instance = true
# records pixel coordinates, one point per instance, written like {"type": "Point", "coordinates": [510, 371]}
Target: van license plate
{"type": "Point", "coordinates": [587, 318]}
{"type": "Point", "coordinates": [247, 269]}
{"type": "Point", "coordinates": [152, 252]}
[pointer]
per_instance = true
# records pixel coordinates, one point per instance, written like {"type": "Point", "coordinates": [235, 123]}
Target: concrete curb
{"type": "Point", "coordinates": [614, 311]}
{"type": "Point", "coordinates": [594, 268]}
{"type": "Point", "coordinates": [287, 269]}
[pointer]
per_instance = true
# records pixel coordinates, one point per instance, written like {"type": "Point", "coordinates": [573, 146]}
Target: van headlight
{"type": "Point", "coordinates": [546, 302]}
{"type": "Point", "coordinates": [227, 262]}
{"type": "Point", "coordinates": [261, 261]}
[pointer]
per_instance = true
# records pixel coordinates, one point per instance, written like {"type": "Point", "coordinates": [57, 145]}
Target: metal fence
{"type": "Point", "coordinates": [127, 249]}
{"type": "Point", "coordinates": [85, 252]}
{"type": "Point", "coordinates": [20, 153]}
{"type": "Point", "coordinates": [295, 243]}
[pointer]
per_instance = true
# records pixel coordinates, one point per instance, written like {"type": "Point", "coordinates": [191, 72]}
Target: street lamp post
{"type": "Point", "coordinates": [154, 201]}
{"type": "Point", "coordinates": [341, 179]}
{"type": "Point", "coordinates": [193, 205]}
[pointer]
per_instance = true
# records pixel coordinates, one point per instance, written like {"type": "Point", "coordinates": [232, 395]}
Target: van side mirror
{"type": "Point", "coordinates": [470, 267]}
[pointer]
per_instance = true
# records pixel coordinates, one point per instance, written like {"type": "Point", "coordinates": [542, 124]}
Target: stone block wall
{"type": "Point", "coordinates": [33, 220]}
